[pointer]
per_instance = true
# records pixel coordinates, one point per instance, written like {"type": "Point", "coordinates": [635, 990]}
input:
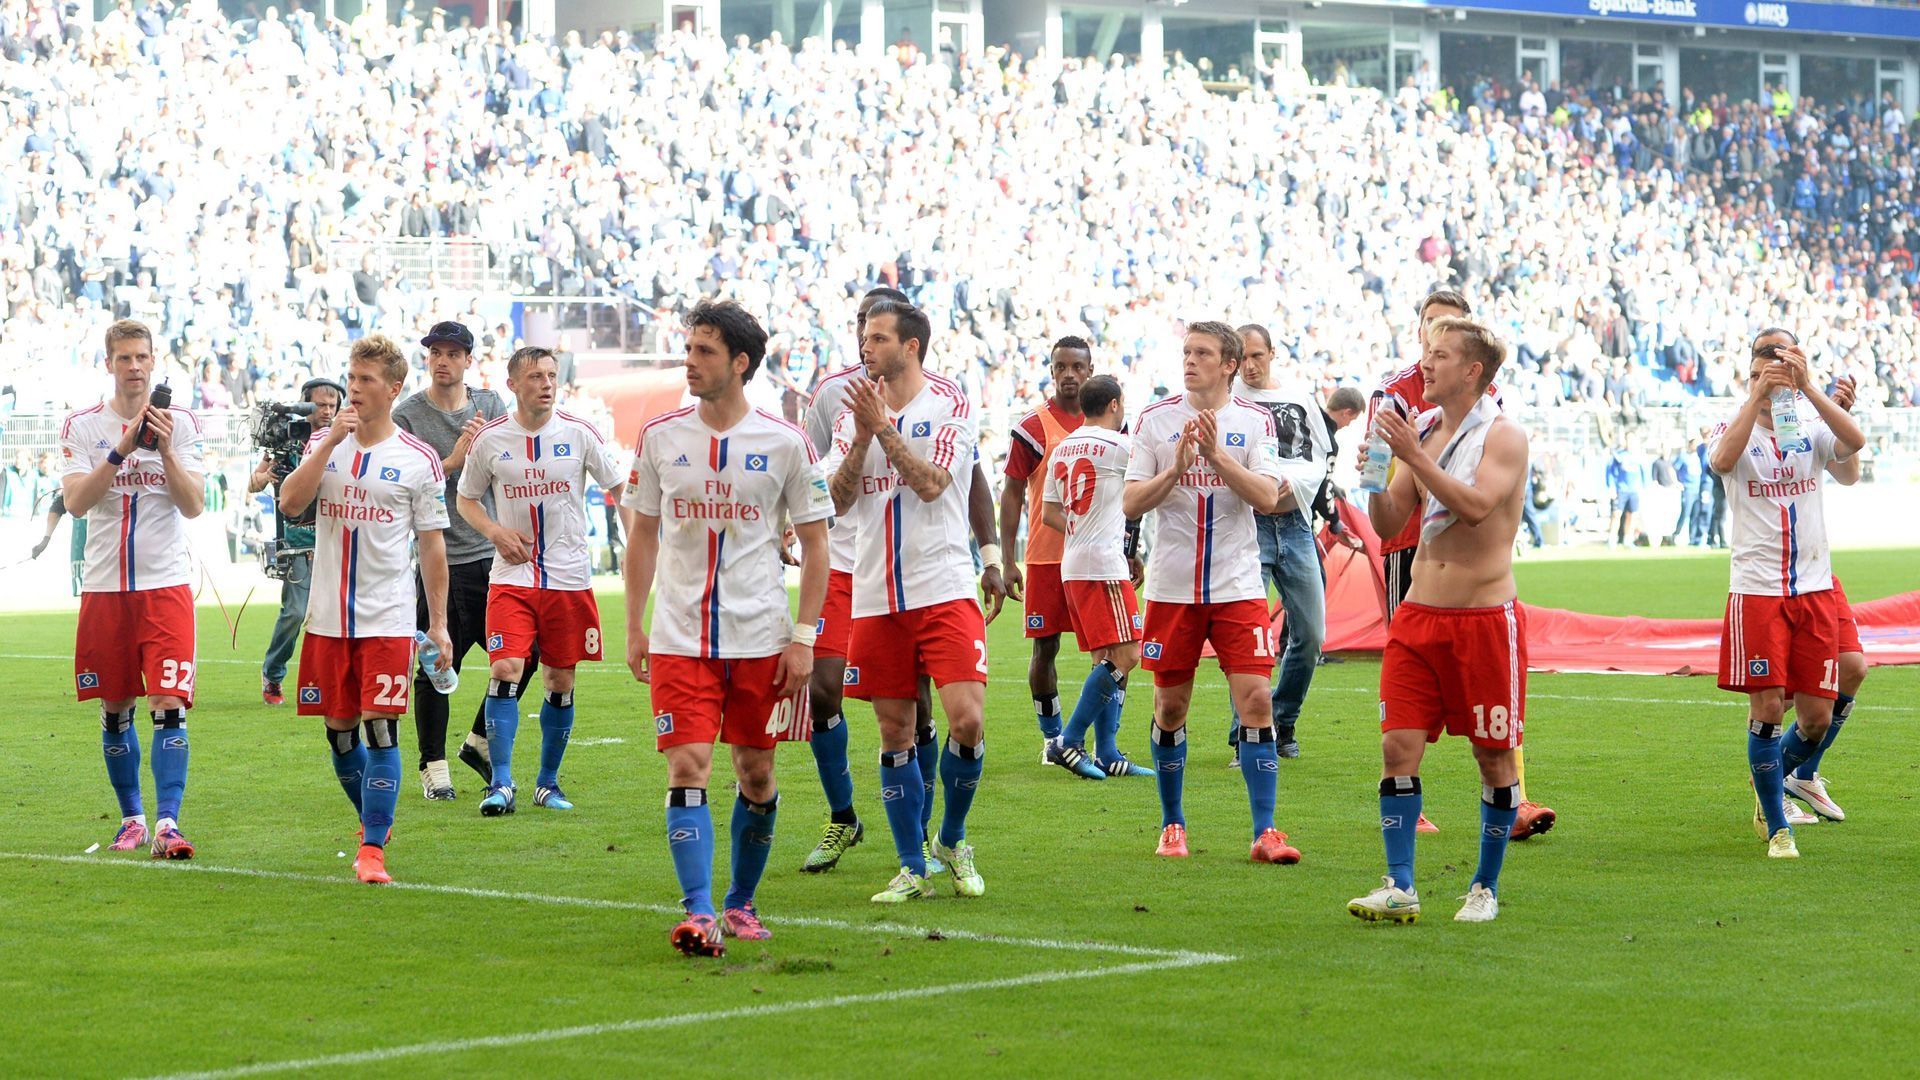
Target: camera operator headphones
{"type": "Point", "coordinates": [307, 388]}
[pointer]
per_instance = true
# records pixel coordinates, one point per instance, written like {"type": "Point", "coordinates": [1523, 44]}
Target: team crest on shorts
{"type": "Point", "coordinates": [820, 626]}
{"type": "Point", "coordinates": [1138, 622]}
{"type": "Point", "coordinates": [1757, 669]}
{"type": "Point", "coordinates": [496, 641]}
{"type": "Point", "coordinates": [1151, 650]}
{"type": "Point", "coordinates": [389, 474]}
{"type": "Point", "coordinates": [663, 724]}
{"type": "Point", "coordinates": [309, 695]}
{"type": "Point", "coordinates": [87, 680]}
{"type": "Point", "coordinates": [1236, 438]}
{"type": "Point", "coordinates": [1036, 622]}
{"type": "Point", "coordinates": [852, 677]}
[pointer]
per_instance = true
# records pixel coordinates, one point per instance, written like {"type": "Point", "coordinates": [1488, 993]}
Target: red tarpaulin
{"type": "Point", "coordinates": [635, 397]}
{"type": "Point", "coordinates": [1560, 640]}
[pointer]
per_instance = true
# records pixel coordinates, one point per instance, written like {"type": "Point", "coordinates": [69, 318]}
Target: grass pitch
{"type": "Point", "coordinates": [1647, 934]}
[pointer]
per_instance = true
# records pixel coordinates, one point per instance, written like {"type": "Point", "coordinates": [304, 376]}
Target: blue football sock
{"type": "Point", "coordinates": [929, 762]}
{"type": "Point", "coordinates": [830, 759]}
{"type": "Point", "coordinates": [901, 796]}
{"type": "Point", "coordinates": [1498, 807]}
{"type": "Point", "coordinates": [503, 723]}
{"type": "Point", "coordinates": [1794, 750]}
{"type": "Point", "coordinates": [1260, 767]}
{"type": "Point", "coordinates": [349, 762]}
{"type": "Point", "coordinates": [1399, 813]}
{"type": "Point", "coordinates": [556, 727]}
{"type": "Point", "coordinates": [1170, 771]}
{"type": "Point", "coordinates": [380, 794]}
{"type": "Point", "coordinates": [120, 745]}
{"type": "Point", "coordinates": [1096, 694]}
{"type": "Point", "coordinates": [1763, 759]}
{"type": "Point", "coordinates": [1106, 734]}
{"type": "Point", "coordinates": [1046, 709]}
{"type": "Point", "coordinates": [169, 761]}
{"type": "Point", "coordinates": [690, 842]}
{"type": "Point", "coordinates": [752, 834]}
{"type": "Point", "coordinates": [1842, 709]}
{"type": "Point", "coordinates": [960, 769]}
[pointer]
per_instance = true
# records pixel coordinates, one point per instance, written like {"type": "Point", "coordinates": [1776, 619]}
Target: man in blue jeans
{"type": "Point", "coordinates": [1289, 554]}
{"type": "Point", "coordinates": [297, 537]}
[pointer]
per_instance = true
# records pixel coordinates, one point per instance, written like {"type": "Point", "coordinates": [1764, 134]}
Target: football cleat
{"type": "Point", "coordinates": [131, 837]}
{"type": "Point", "coordinates": [1797, 816]}
{"type": "Point", "coordinates": [698, 935]}
{"type": "Point", "coordinates": [436, 783]}
{"type": "Point", "coordinates": [1388, 903]}
{"type": "Point", "coordinates": [905, 886]}
{"type": "Point", "coordinates": [270, 692]}
{"type": "Point", "coordinates": [1781, 846]}
{"type": "Point", "coordinates": [1173, 842]}
{"type": "Point", "coordinates": [835, 842]}
{"type": "Point", "coordinates": [1120, 766]}
{"type": "Point", "coordinates": [370, 866]}
{"type": "Point", "coordinates": [1077, 761]}
{"type": "Point", "coordinates": [474, 759]}
{"type": "Point", "coordinates": [1814, 793]}
{"type": "Point", "coordinates": [1481, 905]}
{"type": "Point", "coordinates": [1532, 820]}
{"type": "Point", "coordinates": [743, 923]}
{"type": "Point", "coordinates": [934, 866]}
{"type": "Point", "coordinates": [1288, 746]}
{"type": "Point", "coordinates": [499, 801]}
{"type": "Point", "coordinates": [1272, 847]}
{"type": "Point", "coordinates": [1046, 750]}
{"type": "Point", "coordinates": [169, 844]}
{"type": "Point", "coordinates": [966, 880]}
{"type": "Point", "coordinates": [550, 797]}
{"type": "Point", "coordinates": [1425, 826]}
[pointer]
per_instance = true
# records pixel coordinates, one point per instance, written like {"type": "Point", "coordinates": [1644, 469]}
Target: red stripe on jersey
{"type": "Point", "coordinates": [66, 426]}
{"type": "Point", "coordinates": [706, 592]}
{"type": "Point", "coordinates": [843, 373]}
{"type": "Point", "coordinates": [594, 431]}
{"type": "Point", "coordinates": [346, 569]}
{"type": "Point", "coordinates": [1199, 544]}
{"type": "Point", "coordinates": [947, 388]}
{"type": "Point", "coordinates": [428, 452]}
{"type": "Point", "coordinates": [805, 439]}
{"type": "Point", "coordinates": [641, 440]}
{"type": "Point", "coordinates": [1161, 404]}
{"type": "Point", "coordinates": [126, 502]}
{"type": "Point", "coordinates": [891, 526]}
{"type": "Point", "coordinates": [1786, 553]}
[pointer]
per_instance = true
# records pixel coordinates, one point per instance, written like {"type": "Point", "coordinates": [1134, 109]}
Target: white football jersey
{"type": "Point", "coordinates": [1776, 526]}
{"type": "Point", "coordinates": [372, 500]}
{"type": "Point", "coordinates": [1087, 476]}
{"type": "Point", "coordinates": [910, 553]}
{"type": "Point", "coordinates": [136, 538]}
{"type": "Point", "coordinates": [1205, 549]}
{"type": "Point", "coordinates": [539, 484]}
{"type": "Point", "coordinates": [722, 498]}
{"type": "Point", "coordinates": [829, 400]}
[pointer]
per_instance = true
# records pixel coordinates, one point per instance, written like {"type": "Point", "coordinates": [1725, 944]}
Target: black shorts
{"type": "Point", "coordinates": [1398, 566]}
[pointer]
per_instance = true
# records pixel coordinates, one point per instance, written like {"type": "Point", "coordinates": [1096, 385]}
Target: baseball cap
{"type": "Point", "coordinates": [450, 333]}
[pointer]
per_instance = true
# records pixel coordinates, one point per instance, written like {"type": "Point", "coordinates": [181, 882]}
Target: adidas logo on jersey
{"type": "Point", "coordinates": [389, 474]}
{"type": "Point", "coordinates": [562, 449]}
{"type": "Point", "coordinates": [505, 455]}
{"type": "Point", "coordinates": [756, 463]}
{"type": "Point", "coordinates": [87, 680]}
{"type": "Point", "coordinates": [102, 444]}
{"type": "Point", "coordinates": [682, 460]}
{"type": "Point", "coordinates": [663, 724]}
{"type": "Point", "coordinates": [331, 467]}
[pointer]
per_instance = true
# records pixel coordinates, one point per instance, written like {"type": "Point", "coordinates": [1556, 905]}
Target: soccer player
{"type": "Point", "coordinates": [1207, 462]}
{"type": "Point", "coordinates": [136, 632]}
{"type": "Point", "coordinates": [1045, 602]}
{"type": "Point", "coordinates": [1289, 554]}
{"type": "Point", "coordinates": [379, 489]}
{"type": "Point", "coordinates": [710, 486]}
{"type": "Point", "coordinates": [900, 467]}
{"type": "Point", "coordinates": [446, 414]}
{"type": "Point", "coordinates": [1081, 500]}
{"type": "Point", "coordinates": [1456, 658]}
{"type": "Point", "coordinates": [535, 461]}
{"type": "Point", "coordinates": [1404, 395]}
{"type": "Point", "coordinates": [1782, 628]}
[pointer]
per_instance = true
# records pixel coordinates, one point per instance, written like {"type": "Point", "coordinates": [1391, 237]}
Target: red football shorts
{"type": "Point", "coordinates": [565, 624]}
{"type": "Point", "coordinates": [134, 644]}
{"type": "Point", "coordinates": [1239, 631]}
{"type": "Point", "coordinates": [888, 653]}
{"type": "Point", "coordinates": [1789, 642]}
{"type": "Point", "coordinates": [1849, 630]}
{"type": "Point", "coordinates": [1104, 613]}
{"type": "Point", "coordinates": [1048, 612]}
{"type": "Point", "coordinates": [836, 617]}
{"type": "Point", "coordinates": [350, 677]}
{"type": "Point", "coordinates": [696, 700]}
{"type": "Point", "coordinates": [1458, 670]}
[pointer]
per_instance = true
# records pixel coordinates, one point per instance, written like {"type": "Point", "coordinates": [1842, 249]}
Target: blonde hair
{"type": "Point", "coordinates": [1482, 346]}
{"type": "Point", "coordinates": [127, 330]}
{"type": "Point", "coordinates": [378, 349]}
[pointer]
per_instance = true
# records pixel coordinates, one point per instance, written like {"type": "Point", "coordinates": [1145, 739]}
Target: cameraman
{"type": "Point", "coordinates": [295, 536]}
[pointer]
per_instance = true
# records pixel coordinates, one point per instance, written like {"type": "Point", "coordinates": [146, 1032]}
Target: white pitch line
{"type": "Point", "coordinates": [882, 928]}
{"type": "Point", "coordinates": [653, 1023]}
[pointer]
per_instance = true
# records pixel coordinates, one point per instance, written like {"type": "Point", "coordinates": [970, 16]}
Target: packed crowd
{"type": "Point", "coordinates": [199, 174]}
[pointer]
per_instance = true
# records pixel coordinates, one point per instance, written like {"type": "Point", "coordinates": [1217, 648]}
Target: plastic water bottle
{"type": "Point", "coordinates": [1786, 422]}
{"type": "Point", "coordinates": [1373, 475]}
{"type": "Point", "coordinates": [444, 681]}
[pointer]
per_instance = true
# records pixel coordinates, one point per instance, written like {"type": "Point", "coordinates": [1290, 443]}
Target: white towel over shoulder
{"type": "Point", "coordinates": [1459, 459]}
